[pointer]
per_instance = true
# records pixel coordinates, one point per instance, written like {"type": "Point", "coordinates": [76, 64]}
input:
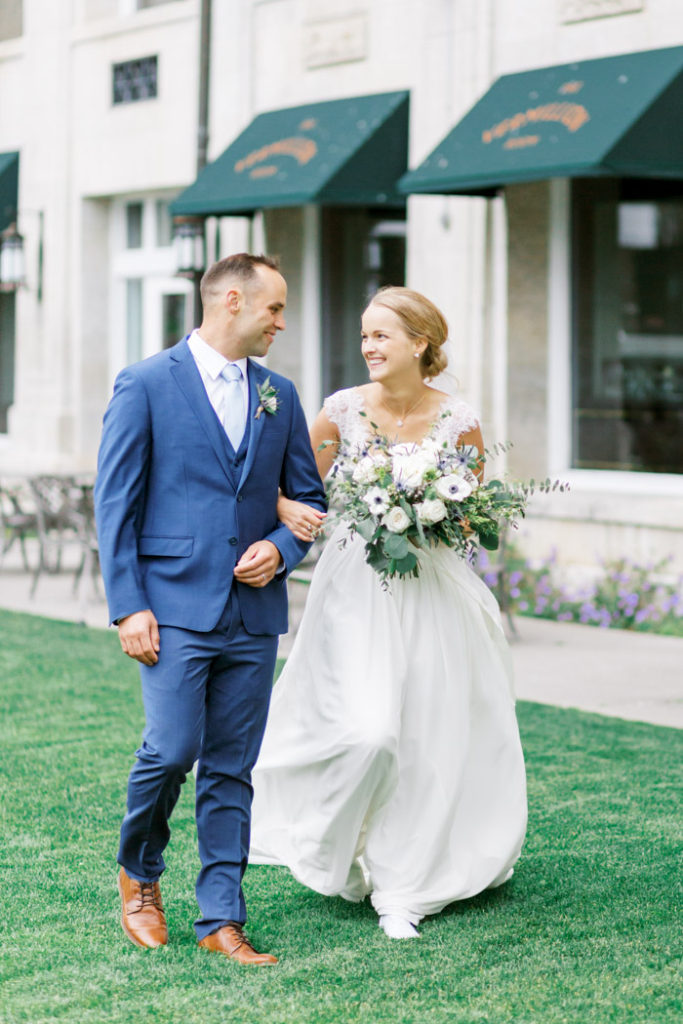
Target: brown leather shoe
{"type": "Point", "coordinates": [142, 914]}
{"type": "Point", "coordinates": [231, 941]}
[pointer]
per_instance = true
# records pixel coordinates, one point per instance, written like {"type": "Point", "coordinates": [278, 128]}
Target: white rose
{"type": "Point", "coordinates": [410, 467]}
{"type": "Point", "coordinates": [453, 487]}
{"type": "Point", "coordinates": [396, 520]}
{"type": "Point", "coordinates": [431, 511]}
{"type": "Point", "coordinates": [365, 471]}
{"type": "Point", "coordinates": [432, 450]}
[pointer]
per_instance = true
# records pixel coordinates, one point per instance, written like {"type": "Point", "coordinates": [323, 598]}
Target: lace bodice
{"type": "Point", "coordinates": [344, 409]}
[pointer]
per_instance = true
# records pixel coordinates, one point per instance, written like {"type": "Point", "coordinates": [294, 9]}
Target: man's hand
{"type": "Point", "coordinates": [258, 564]}
{"type": "Point", "coordinates": [139, 636]}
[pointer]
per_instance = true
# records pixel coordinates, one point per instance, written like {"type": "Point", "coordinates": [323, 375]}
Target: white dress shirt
{"type": "Point", "coordinates": [210, 364]}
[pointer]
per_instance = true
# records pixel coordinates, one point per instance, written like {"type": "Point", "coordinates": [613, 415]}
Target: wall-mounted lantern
{"type": "Point", "coordinates": [12, 263]}
{"type": "Point", "coordinates": [188, 244]}
{"type": "Point", "coordinates": [13, 259]}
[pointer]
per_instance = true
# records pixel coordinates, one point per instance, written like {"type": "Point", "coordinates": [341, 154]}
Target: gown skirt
{"type": "Point", "coordinates": [391, 763]}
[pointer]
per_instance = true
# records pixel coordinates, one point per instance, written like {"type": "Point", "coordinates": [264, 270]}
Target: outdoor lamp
{"type": "Point", "coordinates": [12, 264]}
{"type": "Point", "coordinates": [188, 244]}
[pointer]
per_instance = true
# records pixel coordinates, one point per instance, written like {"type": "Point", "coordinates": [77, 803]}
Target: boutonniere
{"type": "Point", "coordinates": [267, 398]}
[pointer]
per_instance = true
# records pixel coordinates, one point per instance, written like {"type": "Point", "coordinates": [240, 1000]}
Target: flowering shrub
{"type": "Point", "coordinates": [624, 596]}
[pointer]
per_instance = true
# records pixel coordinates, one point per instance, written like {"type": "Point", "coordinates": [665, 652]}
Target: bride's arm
{"type": "Point", "coordinates": [325, 442]}
{"type": "Point", "coordinates": [474, 438]}
{"type": "Point", "coordinates": [306, 522]}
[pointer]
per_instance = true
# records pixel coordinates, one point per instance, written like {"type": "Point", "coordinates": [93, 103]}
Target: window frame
{"type": "Point", "coordinates": [560, 370]}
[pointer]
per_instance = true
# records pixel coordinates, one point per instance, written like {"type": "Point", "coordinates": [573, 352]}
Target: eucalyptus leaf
{"type": "Point", "coordinates": [396, 546]}
{"type": "Point", "coordinates": [366, 528]}
{"type": "Point", "coordinates": [406, 565]}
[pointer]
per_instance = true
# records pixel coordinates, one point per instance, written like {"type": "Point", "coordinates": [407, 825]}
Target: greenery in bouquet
{"type": "Point", "coordinates": [400, 497]}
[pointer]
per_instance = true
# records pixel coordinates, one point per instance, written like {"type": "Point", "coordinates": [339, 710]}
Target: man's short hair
{"type": "Point", "coordinates": [243, 266]}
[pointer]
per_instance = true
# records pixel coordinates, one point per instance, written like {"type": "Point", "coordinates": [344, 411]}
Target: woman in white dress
{"type": "Point", "coordinates": [391, 764]}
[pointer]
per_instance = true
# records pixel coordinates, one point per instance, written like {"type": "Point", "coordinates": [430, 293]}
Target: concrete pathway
{"type": "Point", "coordinates": [638, 676]}
{"type": "Point", "coordinates": [611, 671]}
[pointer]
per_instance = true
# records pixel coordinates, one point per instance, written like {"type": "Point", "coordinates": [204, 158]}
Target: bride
{"type": "Point", "coordinates": [391, 764]}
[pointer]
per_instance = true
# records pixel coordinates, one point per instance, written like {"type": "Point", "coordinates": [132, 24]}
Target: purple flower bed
{"type": "Point", "coordinates": [625, 595]}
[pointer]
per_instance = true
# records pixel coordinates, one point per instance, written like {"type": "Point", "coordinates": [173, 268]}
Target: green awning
{"type": "Point", "coordinates": [344, 152]}
{"type": "Point", "coordinates": [9, 187]}
{"type": "Point", "coordinates": [618, 116]}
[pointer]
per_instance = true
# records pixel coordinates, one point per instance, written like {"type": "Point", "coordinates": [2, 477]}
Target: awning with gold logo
{"type": "Point", "coordinates": [9, 184]}
{"type": "Point", "coordinates": [617, 116]}
{"type": "Point", "coordinates": [343, 152]}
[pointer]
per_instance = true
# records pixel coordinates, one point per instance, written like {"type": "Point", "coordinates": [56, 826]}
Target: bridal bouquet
{"type": "Point", "coordinates": [402, 497]}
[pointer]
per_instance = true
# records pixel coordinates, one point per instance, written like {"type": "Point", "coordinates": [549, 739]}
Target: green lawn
{"type": "Point", "coordinates": [584, 933]}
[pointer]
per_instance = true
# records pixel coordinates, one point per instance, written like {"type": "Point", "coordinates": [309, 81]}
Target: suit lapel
{"type": "Point", "coordinates": [188, 379]}
{"type": "Point", "coordinates": [257, 375]}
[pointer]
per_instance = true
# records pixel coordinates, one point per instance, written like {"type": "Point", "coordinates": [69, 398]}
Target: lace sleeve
{"type": "Point", "coordinates": [460, 418]}
{"type": "Point", "coordinates": [342, 409]}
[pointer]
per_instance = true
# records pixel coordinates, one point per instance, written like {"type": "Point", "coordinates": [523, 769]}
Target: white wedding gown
{"type": "Point", "coordinates": [391, 763]}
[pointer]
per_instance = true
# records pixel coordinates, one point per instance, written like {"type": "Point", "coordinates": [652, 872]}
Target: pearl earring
{"type": "Point", "coordinates": [417, 355]}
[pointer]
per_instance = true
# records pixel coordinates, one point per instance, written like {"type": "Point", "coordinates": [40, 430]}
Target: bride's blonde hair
{"type": "Point", "coordinates": [420, 318]}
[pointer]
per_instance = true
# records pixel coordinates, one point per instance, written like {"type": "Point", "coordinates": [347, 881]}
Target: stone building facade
{"type": "Point", "coordinates": [99, 118]}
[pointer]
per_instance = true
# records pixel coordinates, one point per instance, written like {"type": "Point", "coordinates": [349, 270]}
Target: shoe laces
{"type": "Point", "coordinates": [150, 895]}
{"type": "Point", "coordinates": [241, 938]}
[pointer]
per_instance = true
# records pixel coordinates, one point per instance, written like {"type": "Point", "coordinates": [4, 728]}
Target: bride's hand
{"type": "Point", "coordinates": [304, 521]}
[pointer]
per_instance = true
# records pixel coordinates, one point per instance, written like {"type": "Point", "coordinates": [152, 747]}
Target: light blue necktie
{"type": "Point", "coordinates": [233, 404]}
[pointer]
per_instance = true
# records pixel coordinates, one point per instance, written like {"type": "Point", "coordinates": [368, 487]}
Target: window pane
{"type": "Point", "coordinates": [134, 80]}
{"type": "Point", "coordinates": [133, 320]}
{"type": "Point", "coordinates": [628, 387]}
{"type": "Point", "coordinates": [7, 321]}
{"type": "Point", "coordinates": [134, 216]}
{"type": "Point", "coordinates": [361, 253]}
{"type": "Point", "coordinates": [173, 319]}
{"type": "Point", "coordinates": [164, 228]}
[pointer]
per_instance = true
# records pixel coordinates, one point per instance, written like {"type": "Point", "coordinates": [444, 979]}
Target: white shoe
{"type": "Point", "coordinates": [396, 927]}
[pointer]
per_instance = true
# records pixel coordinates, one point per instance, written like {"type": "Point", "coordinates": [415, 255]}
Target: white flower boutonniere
{"type": "Point", "coordinates": [267, 398]}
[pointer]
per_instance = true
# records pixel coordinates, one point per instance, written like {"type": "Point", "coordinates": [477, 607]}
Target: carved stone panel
{"type": "Point", "coordinates": [585, 10]}
{"type": "Point", "coordinates": [335, 41]}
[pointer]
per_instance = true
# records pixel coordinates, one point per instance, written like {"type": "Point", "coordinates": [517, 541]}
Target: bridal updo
{"type": "Point", "coordinates": [420, 319]}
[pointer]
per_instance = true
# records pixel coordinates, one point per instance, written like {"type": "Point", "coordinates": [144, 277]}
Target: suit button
{"type": "Point", "coordinates": [233, 541]}
{"type": "Point", "coordinates": [240, 497]}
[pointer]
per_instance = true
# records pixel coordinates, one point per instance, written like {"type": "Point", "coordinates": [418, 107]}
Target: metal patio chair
{"type": "Point", "coordinates": [65, 514]}
{"type": "Point", "coordinates": [17, 521]}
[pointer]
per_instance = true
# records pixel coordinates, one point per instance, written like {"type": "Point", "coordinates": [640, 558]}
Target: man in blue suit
{"type": "Point", "coordinates": [196, 442]}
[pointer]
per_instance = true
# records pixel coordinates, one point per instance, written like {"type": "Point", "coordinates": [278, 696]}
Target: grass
{"type": "Point", "coordinates": [585, 932]}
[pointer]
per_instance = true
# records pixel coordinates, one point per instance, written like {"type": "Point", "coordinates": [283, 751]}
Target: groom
{"type": "Point", "coordinates": [196, 442]}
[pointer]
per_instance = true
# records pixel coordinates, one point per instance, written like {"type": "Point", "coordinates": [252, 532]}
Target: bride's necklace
{"type": "Point", "coordinates": [400, 420]}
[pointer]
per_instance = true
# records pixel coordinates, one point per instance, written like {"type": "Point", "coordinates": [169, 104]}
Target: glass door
{"type": "Point", "coordinates": [362, 251]}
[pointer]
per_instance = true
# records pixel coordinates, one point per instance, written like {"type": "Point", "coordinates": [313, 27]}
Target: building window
{"type": "Point", "coordinates": [163, 222]}
{"type": "Point", "coordinates": [134, 225]}
{"type": "Point", "coordinates": [628, 329]}
{"type": "Point", "coordinates": [173, 318]}
{"type": "Point", "coordinates": [7, 321]}
{"type": "Point", "coordinates": [133, 319]}
{"type": "Point", "coordinates": [134, 80]}
{"type": "Point", "coordinates": [11, 19]}
{"type": "Point", "coordinates": [361, 252]}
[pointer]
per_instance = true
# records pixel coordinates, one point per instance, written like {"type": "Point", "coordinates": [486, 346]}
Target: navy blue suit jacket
{"type": "Point", "coordinates": [172, 518]}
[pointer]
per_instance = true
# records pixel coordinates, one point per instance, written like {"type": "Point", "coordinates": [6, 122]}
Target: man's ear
{"type": "Point", "coordinates": [233, 300]}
